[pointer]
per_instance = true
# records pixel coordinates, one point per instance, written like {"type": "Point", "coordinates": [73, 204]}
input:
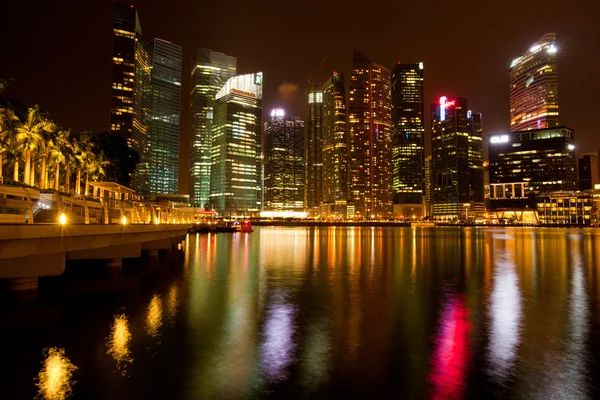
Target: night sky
{"type": "Point", "coordinates": [60, 52]}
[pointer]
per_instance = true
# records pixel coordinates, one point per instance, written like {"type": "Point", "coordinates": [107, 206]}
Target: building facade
{"type": "Point", "coordinates": [142, 98]}
{"type": "Point", "coordinates": [428, 186]}
{"type": "Point", "coordinates": [528, 163]}
{"type": "Point", "coordinates": [283, 158]}
{"type": "Point", "coordinates": [209, 73]}
{"type": "Point", "coordinates": [335, 149]}
{"type": "Point", "coordinates": [457, 159]}
{"type": "Point", "coordinates": [313, 153]}
{"type": "Point", "coordinates": [369, 128]}
{"type": "Point", "coordinates": [236, 159]}
{"type": "Point", "coordinates": [163, 128]}
{"type": "Point", "coordinates": [126, 29]}
{"type": "Point", "coordinates": [408, 131]}
{"type": "Point", "coordinates": [533, 87]}
{"type": "Point", "coordinates": [589, 170]}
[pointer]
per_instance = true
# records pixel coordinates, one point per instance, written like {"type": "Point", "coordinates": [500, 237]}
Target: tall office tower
{"type": "Point", "coordinates": [163, 128]}
{"type": "Point", "coordinates": [335, 148]}
{"type": "Point", "coordinates": [589, 170]}
{"type": "Point", "coordinates": [142, 98]}
{"type": "Point", "coordinates": [126, 28]}
{"type": "Point", "coordinates": [408, 131]}
{"type": "Point", "coordinates": [528, 163]}
{"type": "Point", "coordinates": [236, 170]}
{"type": "Point", "coordinates": [313, 153]}
{"type": "Point", "coordinates": [210, 72]}
{"type": "Point", "coordinates": [534, 87]}
{"type": "Point", "coordinates": [428, 186]}
{"type": "Point", "coordinates": [457, 161]}
{"type": "Point", "coordinates": [369, 109]}
{"type": "Point", "coordinates": [283, 150]}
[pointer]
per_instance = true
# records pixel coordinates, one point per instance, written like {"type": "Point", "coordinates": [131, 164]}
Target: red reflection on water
{"type": "Point", "coordinates": [450, 355]}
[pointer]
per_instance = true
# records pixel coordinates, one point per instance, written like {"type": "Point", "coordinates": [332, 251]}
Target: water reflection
{"type": "Point", "coordinates": [278, 346]}
{"type": "Point", "coordinates": [172, 302]}
{"type": "Point", "coordinates": [119, 341]}
{"type": "Point", "coordinates": [154, 317]}
{"type": "Point", "coordinates": [505, 315]}
{"type": "Point", "coordinates": [451, 350]}
{"type": "Point", "coordinates": [55, 380]}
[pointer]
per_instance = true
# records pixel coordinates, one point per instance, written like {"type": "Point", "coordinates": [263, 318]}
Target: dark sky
{"type": "Point", "coordinates": [59, 52]}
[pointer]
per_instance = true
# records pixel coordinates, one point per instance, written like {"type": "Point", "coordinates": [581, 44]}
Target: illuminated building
{"type": "Point", "coordinates": [335, 148]}
{"type": "Point", "coordinates": [528, 163]}
{"type": "Point", "coordinates": [533, 80]}
{"type": "Point", "coordinates": [126, 28]}
{"type": "Point", "coordinates": [142, 98]}
{"type": "Point", "coordinates": [235, 176]}
{"type": "Point", "coordinates": [369, 121]}
{"type": "Point", "coordinates": [457, 158]}
{"type": "Point", "coordinates": [314, 149]}
{"type": "Point", "coordinates": [163, 127]}
{"type": "Point", "coordinates": [283, 150]}
{"type": "Point", "coordinates": [408, 130]}
{"type": "Point", "coordinates": [209, 74]}
{"type": "Point", "coordinates": [565, 208]}
{"type": "Point", "coordinates": [428, 186]}
{"type": "Point", "coordinates": [589, 170]}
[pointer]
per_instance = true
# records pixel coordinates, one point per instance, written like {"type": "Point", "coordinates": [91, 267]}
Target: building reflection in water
{"type": "Point", "coordinates": [277, 350]}
{"type": "Point", "coordinates": [172, 302]}
{"type": "Point", "coordinates": [450, 355]}
{"type": "Point", "coordinates": [119, 342]}
{"type": "Point", "coordinates": [55, 380]}
{"type": "Point", "coordinates": [505, 313]}
{"type": "Point", "coordinates": [154, 317]}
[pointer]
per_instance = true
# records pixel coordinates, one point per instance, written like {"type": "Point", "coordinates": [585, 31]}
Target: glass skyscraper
{"type": "Point", "coordinates": [335, 148]}
{"type": "Point", "coordinates": [283, 149]}
{"type": "Point", "coordinates": [210, 72]}
{"type": "Point", "coordinates": [457, 161]}
{"type": "Point", "coordinates": [142, 98]}
{"type": "Point", "coordinates": [408, 131]}
{"type": "Point", "coordinates": [126, 28]}
{"type": "Point", "coordinates": [163, 128]}
{"type": "Point", "coordinates": [236, 170]}
{"type": "Point", "coordinates": [314, 149]}
{"type": "Point", "coordinates": [533, 80]}
{"type": "Point", "coordinates": [369, 110]}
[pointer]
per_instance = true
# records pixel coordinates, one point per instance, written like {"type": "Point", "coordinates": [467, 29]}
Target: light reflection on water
{"type": "Point", "coordinates": [55, 379]}
{"type": "Point", "coordinates": [348, 312]}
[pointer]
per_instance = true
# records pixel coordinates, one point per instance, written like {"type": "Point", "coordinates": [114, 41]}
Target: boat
{"type": "Point", "coordinates": [244, 226]}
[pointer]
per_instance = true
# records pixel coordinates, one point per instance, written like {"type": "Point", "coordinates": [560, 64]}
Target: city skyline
{"type": "Point", "coordinates": [484, 78]}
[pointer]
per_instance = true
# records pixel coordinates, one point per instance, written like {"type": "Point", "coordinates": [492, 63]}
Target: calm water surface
{"type": "Point", "coordinates": [321, 313]}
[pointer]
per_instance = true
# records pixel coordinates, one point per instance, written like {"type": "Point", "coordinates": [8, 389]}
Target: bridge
{"type": "Point", "coordinates": [39, 232]}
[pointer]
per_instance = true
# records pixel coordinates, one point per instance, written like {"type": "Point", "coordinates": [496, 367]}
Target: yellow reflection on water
{"type": "Point", "coordinates": [119, 341]}
{"type": "Point", "coordinates": [154, 316]}
{"type": "Point", "coordinates": [172, 302]}
{"type": "Point", "coordinates": [55, 379]}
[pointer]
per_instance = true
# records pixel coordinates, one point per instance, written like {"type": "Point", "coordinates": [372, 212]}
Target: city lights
{"type": "Point", "coordinates": [62, 219]}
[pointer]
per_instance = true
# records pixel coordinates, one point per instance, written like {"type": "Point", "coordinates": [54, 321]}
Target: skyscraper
{"type": "Point", "coordinates": [533, 87]}
{"type": "Point", "coordinates": [235, 177]}
{"type": "Point", "coordinates": [335, 187]}
{"type": "Point", "coordinates": [457, 159]}
{"type": "Point", "coordinates": [163, 128]}
{"type": "Point", "coordinates": [142, 99]}
{"type": "Point", "coordinates": [589, 170]}
{"type": "Point", "coordinates": [125, 29]}
{"type": "Point", "coordinates": [408, 131]}
{"type": "Point", "coordinates": [283, 150]}
{"type": "Point", "coordinates": [210, 72]}
{"type": "Point", "coordinates": [369, 109]}
{"type": "Point", "coordinates": [313, 153]}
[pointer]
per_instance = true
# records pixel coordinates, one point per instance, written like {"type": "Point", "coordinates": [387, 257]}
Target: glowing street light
{"type": "Point", "coordinates": [124, 220]}
{"type": "Point", "coordinates": [62, 219]}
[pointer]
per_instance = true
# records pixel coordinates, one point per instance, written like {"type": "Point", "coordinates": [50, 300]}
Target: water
{"type": "Point", "coordinates": [322, 313]}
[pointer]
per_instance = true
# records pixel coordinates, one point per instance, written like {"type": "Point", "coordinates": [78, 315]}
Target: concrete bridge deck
{"type": "Point", "coordinates": [30, 251]}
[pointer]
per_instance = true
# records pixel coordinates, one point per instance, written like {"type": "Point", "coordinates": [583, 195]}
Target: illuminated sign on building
{"type": "Point", "coordinates": [444, 104]}
{"type": "Point", "coordinates": [499, 139]}
{"type": "Point", "coordinates": [277, 112]}
{"type": "Point", "coordinates": [242, 92]}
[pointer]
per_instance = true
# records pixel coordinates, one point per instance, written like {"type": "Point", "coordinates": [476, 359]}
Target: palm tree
{"type": "Point", "coordinates": [58, 153]}
{"type": "Point", "coordinates": [8, 128]}
{"type": "Point", "coordinates": [29, 135]}
{"type": "Point", "coordinates": [83, 152]}
{"type": "Point", "coordinates": [44, 151]}
{"type": "Point", "coordinates": [95, 169]}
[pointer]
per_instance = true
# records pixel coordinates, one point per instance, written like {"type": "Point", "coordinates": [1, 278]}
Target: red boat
{"type": "Point", "coordinates": [244, 226]}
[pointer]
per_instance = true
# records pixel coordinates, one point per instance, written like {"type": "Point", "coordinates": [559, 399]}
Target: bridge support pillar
{"type": "Point", "coordinates": [151, 253]}
{"type": "Point", "coordinates": [23, 284]}
{"type": "Point", "coordinates": [114, 265]}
